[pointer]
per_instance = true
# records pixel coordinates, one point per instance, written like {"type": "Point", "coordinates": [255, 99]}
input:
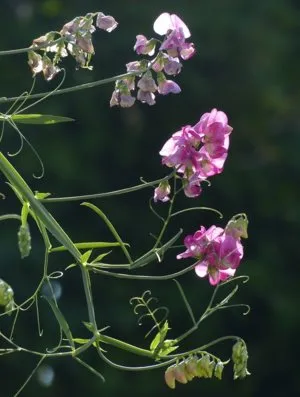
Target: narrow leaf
{"type": "Point", "coordinates": [61, 320]}
{"type": "Point", "coordinates": [37, 119]}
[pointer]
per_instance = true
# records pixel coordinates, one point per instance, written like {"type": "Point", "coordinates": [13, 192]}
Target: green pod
{"type": "Point", "coordinates": [24, 240]}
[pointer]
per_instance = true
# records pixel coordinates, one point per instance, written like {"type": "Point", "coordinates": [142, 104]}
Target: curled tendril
{"type": "Point", "coordinates": [55, 275]}
{"type": "Point", "coordinates": [143, 302]}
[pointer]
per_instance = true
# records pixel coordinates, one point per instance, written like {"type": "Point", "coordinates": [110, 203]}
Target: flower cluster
{"type": "Point", "coordinates": [166, 62]}
{"type": "Point", "coordinates": [74, 38]}
{"type": "Point", "coordinates": [198, 152]}
{"type": "Point", "coordinates": [218, 251]}
{"type": "Point", "coordinates": [186, 370]}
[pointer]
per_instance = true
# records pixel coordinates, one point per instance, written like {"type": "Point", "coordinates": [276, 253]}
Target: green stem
{"type": "Point", "coordinates": [50, 223]}
{"type": "Point", "coordinates": [125, 346]}
{"type": "Point", "coordinates": [72, 89]}
{"type": "Point", "coordinates": [142, 277]}
{"type": "Point", "coordinates": [106, 194]}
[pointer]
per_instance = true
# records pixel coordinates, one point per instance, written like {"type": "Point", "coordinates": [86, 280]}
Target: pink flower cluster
{"type": "Point", "coordinates": [198, 152]}
{"type": "Point", "coordinates": [218, 251]}
{"type": "Point", "coordinates": [165, 62]}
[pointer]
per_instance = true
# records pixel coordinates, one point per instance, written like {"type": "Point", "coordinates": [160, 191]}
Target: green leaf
{"type": "Point", "coordinates": [61, 320]}
{"type": "Point", "coordinates": [165, 351]}
{"type": "Point", "coordinates": [80, 246]}
{"type": "Point", "coordinates": [37, 118]}
{"type": "Point", "coordinates": [89, 326]}
{"type": "Point", "coordinates": [80, 341]}
{"type": "Point", "coordinates": [86, 256]}
{"type": "Point", "coordinates": [160, 336]}
{"type": "Point", "coordinates": [100, 257]}
{"type": "Point", "coordinates": [41, 196]}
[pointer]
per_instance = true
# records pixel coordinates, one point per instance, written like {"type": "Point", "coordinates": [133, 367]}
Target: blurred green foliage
{"type": "Point", "coordinates": [247, 64]}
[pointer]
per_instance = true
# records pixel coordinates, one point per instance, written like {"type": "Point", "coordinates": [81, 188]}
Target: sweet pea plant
{"type": "Point", "coordinates": [193, 154]}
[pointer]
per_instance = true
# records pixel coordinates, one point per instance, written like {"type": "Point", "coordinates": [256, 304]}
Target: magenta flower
{"type": "Point", "coordinates": [198, 243]}
{"type": "Point", "coordinates": [218, 251]}
{"type": "Point", "coordinates": [198, 152]}
{"type": "Point", "coordinates": [214, 274]}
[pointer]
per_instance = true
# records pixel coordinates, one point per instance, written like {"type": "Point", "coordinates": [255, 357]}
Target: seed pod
{"type": "Point", "coordinates": [24, 240]}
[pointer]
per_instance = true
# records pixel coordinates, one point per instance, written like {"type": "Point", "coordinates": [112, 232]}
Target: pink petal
{"type": "Point", "coordinates": [166, 22]}
{"type": "Point", "coordinates": [201, 269]}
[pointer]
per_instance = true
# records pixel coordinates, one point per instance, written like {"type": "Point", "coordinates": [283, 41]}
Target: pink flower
{"type": "Point", "coordinates": [198, 243]}
{"type": "Point", "coordinates": [218, 251]}
{"type": "Point", "coordinates": [215, 275]}
{"type": "Point", "coordinates": [176, 32]}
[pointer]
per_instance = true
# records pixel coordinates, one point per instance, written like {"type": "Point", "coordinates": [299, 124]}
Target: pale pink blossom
{"type": "Point", "coordinates": [166, 22]}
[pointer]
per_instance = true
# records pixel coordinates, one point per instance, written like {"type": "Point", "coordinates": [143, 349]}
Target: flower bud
{"type": "Point", "coordinates": [162, 192]}
{"type": "Point", "coordinates": [6, 294]}
{"type": "Point", "coordinates": [170, 377]}
{"type": "Point", "coordinates": [24, 240]}
{"type": "Point", "coordinates": [180, 374]}
{"type": "Point", "coordinates": [191, 367]}
{"type": "Point", "coordinates": [205, 367]}
{"type": "Point", "coordinates": [237, 226]}
{"type": "Point", "coordinates": [106, 22]}
{"type": "Point", "coordinates": [219, 370]}
{"type": "Point", "coordinates": [240, 358]}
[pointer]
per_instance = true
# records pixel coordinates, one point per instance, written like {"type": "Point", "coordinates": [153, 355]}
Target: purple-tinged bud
{"type": "Point", "coordinates": [168, 87]}
{"type": "Point", "coordinates": [143, 46]}
{"type": "Point", "coordinates": [35, 61]}
{"type": "Point", "coordinates": [158, 62]}
{"type": "Point", "coordinates": [134, 66]}
{"type": "Point", "coordinates": [70, 27]}
{"type": "Point", "coordinates": [49, 70]}
{"type": "Point", "coordinates": [43, 40]}
{"type": "Point", "coordinates": [187, 51]}
{"type": "Point", "coordinates": [147, 83]}
{"type": "Point", "coordinates": [170, 377]}
{"type": "Point", "coordinates": [162, 192]}
{"type": "Point", "coordinates": [85, 43]}
{"type": "Point", "coordinates": [172, 66]}
{"type": "Point", "coordinates": [146, 97]}
{"type": "Point", "coordinates": [106, 22]}
{"type": "Point", "coordinates": [123, 100]}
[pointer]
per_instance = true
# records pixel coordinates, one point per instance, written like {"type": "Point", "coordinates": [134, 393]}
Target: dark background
{"type": "Point", "coordinates": [247, 64]}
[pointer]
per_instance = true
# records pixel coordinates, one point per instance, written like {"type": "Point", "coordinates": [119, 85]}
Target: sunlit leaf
{"type": "Point", "coordinates": [37, 119]}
